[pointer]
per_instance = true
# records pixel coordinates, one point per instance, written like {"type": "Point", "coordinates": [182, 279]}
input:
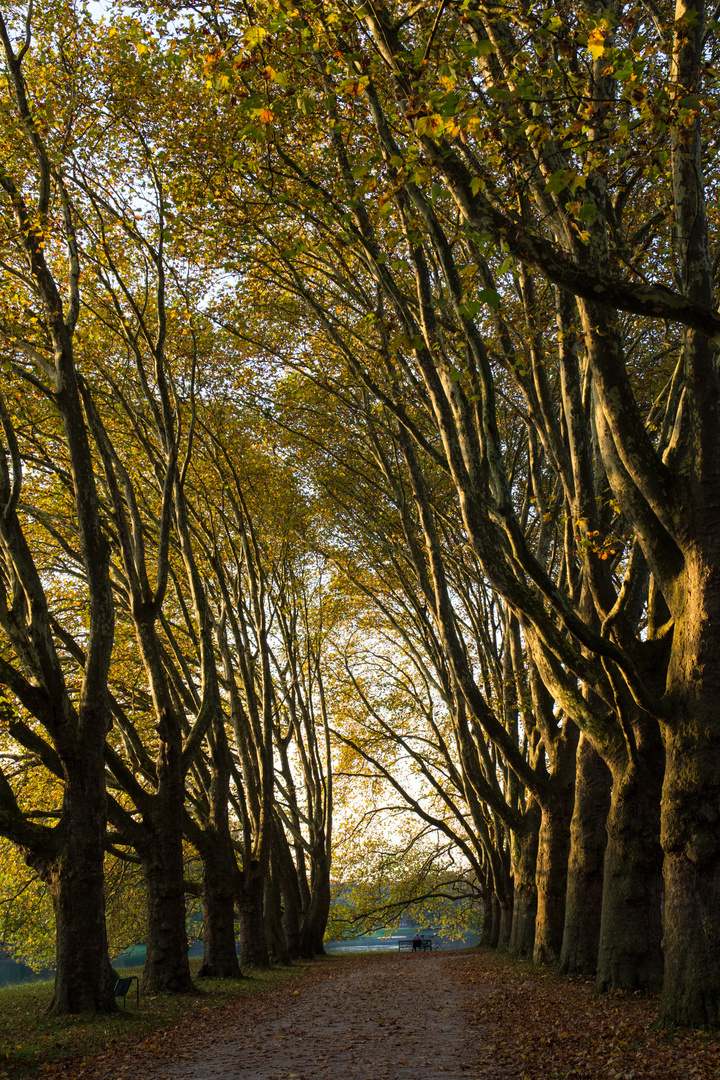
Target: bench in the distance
{"type": "Point", "coordinates": [408, 943]}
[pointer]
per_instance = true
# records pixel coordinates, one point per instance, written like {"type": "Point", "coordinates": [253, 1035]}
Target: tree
{"type": "Point", "coordinates": [41, 309]}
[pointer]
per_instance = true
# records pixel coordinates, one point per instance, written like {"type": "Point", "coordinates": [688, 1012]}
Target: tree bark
{"type": "Point", "coordinates": [691, 990]}
{"type": "Point", "coordinates": [290, 890]}
{"type": "Point", "coordinates": [491, 923]}
{"type": "Point", "coordinates": [77, 720]}
{"type": "Point", "coordinates": [588, 839]}
{"type": "Point", "coordinates": [505, 924]}
{"type": "Point", "coordinates": [524, 849]}
{"type": "Point", "coordinates": [691, 816]}
{"type": "Point", "coordinates": [167, 969]}
{"type": "Point", "coordinates": [83, 975]}
{"type": "Point", "coordinates": [314, 921]}
{"type": "Point", "coordinates": [495, 923]}
{"type": "Point", "coordinates": [274, 927]}
{"type": "Point", "coordinates": [250, 902]}
{"type": "Point", "coordinates": [220, 869]}
{"type": "Point", "coordinates": [486, 930]}
{"type": "Point", "coordinates": [166, 961]}
{"type": "Point", "coordinates": [220, 959]}
{"type": "Point", "coordinates": [629, 953]}
{"type": "Point", "coordinates": [552, 871]}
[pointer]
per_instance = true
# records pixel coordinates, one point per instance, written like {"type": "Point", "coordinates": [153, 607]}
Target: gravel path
{"type": "Point", "coordinates": [397, 1019]}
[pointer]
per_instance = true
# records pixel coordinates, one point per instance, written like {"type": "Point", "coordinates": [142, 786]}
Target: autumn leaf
{"type": "Point", "coordinates": [596, 42]}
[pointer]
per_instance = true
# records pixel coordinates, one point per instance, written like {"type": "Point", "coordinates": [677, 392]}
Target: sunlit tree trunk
{"type": "Point", "coordinates": [691, 805]}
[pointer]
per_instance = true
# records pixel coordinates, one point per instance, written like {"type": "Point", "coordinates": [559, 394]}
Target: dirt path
{"type": "Point", "coordinates": [412, 1017]}
{"type": "Point", "coordinates": [401, 1018]}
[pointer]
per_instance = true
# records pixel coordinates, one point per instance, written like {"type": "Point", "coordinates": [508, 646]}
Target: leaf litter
{"type": "Point", "coordinates": [412, 1016]}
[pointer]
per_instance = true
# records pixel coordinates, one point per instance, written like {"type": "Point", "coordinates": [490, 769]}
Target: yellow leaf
{"type": "Point", "coordinates": [596, 42]}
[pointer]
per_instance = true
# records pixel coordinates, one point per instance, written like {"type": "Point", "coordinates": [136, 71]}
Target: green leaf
{"type": "Point", "coordinates": [559, 180]}
{"type": "Point", "coordinates": [587, 212]}
{"type": "Point", "coordinates": [483, 48]}
{"type": "Point", "coordinates": [491, 297]}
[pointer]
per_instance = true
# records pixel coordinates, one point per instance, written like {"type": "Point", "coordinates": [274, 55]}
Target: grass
{"type": "Point", "coordinates": [29, 1039]}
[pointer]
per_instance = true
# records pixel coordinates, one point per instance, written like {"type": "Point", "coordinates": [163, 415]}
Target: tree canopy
{"type": "Point", "coordinates": [360, 415]}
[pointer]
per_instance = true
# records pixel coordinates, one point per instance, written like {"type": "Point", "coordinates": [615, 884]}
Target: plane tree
{"type": "Point", "coordinates": [41, 305]}
{"type": "Point", "coordinates": [310, 616]}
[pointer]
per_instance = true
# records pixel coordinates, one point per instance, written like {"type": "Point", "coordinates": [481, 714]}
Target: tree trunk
{"type": "Point", "coordinates": [491, 923]}
{"type": "Point", "coordinates": [302, 877]}
{"type": "Point", "coordinates": [290, 890]}
{"type": "Point", "coordinates": [83, 975]}
{"type": "Point", "coordinates": [250, 898]}
{"type": "Point", "coordinates": [220, 868]}
{"type": "Point", "coordinates": [219, 875]}
{"type": "Point", "coordinates": [495, 923]}
{"type": "Point", "coordinates": [505, 925]}
{"type": "Point", "coordinates": [551, 878]}
{"type": "Point", "coordinates": [691, 833]}
{"type": "Point", "coordinates": [524, 863]}
{"type": "Point", "coordinates": [314, 921]}
{"type": "Point", "coordinates": [691, 792]}
{"type": "Point", "coordinates": [629, 953]}
{"type": "Point", "coordinates": [486, 937]}
{"type": "Point", "coordinates": [691, 825]}
{"type": "Point", "coordinates": [272, 910]}
{"type": "Point", "coordinates": [167, 969]}
{"type": "Point", "coordinates": [588, 839]}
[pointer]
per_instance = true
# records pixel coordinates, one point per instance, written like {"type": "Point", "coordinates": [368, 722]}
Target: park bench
{"type": "Point", "coordinates": [407, 943]}
{"type": "Point", "coordinates": [123, 985]}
